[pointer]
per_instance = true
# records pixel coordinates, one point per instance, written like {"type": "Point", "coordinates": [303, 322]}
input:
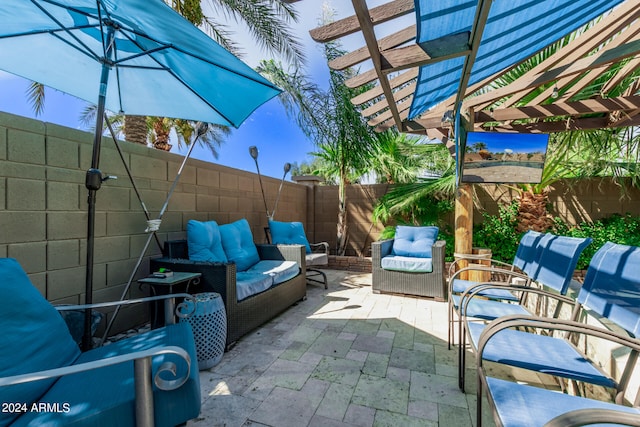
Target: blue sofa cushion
{"type": "Point", "coordinates": [204, 241]}
{"type": "Point", "coordinates": [280, 271]}
{"type": "Point", "coordinates": [34, 337]}
{"type": "Point", "coordinates": [238, 245]}
{"type": "Point", "coordinates": [414, 241]}
{"type": "Point", "coordinates": [288, 233]}
{"type": "Point", "coordinates": [405, 263]}
{"type": "Point", "coordinates": [248, 284]}
{"type": "Point", "coordinates": [105, 396]}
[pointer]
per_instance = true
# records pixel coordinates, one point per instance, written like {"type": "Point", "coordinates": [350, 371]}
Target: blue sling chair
{"type": "Point", "coordinates": [524, 266]}
{"type": "Point", "coordinates": [150, 379]}
{"type": "Point", "coordinates": [611, 291]}
{"type": "Point", "coordinates": [553, 273]}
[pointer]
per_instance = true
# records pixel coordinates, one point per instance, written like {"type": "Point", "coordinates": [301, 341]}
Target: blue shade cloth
{"type": "Point", "coordinates": [515, 30]}
{"type": "Point", "coordinates": [238, 245]}
{"type": "Point", "coordinates": [612, 287]}
{"type": "Point", "coordinates": [162, 64]}
{"type": "Point", "coordinates": [407, 264]}
{"type": "Point", "coordinates": [204, 242]}
{"type": "Point", "coordinates": [526, 406]}
{"type": "Point", "coordinates": [414, 241]}
{"type": "Point", "coordinates": [288, 233]}
{"type": "Point", "coordinates": [34, 337]}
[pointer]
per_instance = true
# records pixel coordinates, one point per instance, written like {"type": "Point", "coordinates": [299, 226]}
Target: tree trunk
{"type": "Point", "coordinates": [161, 131]}
{"type": "Point", "coordinates": [532, 212]}
{"type": "Point", "coordinates": [341, 232]}
{"type": "Point", "coordinates": [135, 129]}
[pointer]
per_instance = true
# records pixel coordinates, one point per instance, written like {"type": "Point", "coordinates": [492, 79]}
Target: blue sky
{"type": "Point", "coordinates": [517, 142]}
{"type": "Point", "coordinates": [278, 139]}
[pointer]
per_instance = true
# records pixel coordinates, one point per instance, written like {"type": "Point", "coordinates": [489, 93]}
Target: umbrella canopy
{"type": "Point", "coordinates": [137, 57]}
{"type": "Point", "coordinates": [158, 63]}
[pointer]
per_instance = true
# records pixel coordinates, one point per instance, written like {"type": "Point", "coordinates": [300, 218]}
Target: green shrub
{"type": "Point", "coordinates": [498, 233]}
{"type": "Point", "coordinates": [621, 229]}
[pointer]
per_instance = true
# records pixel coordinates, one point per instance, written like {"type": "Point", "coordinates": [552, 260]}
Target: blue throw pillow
{"type": "Point", "coordinates": [204, 241]}
{"type": "Point", "coordinates": [34, 337]}
{"type": "Point", "coordinates": [414, 241]}
{"type": "Point", "coordinates": [238, 245]}
{"type": "Point", "coordinates": [288, 233]}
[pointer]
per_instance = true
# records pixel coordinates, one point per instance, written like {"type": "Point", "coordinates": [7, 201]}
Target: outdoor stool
{"type": "Point", "coordinates": [209, 324]}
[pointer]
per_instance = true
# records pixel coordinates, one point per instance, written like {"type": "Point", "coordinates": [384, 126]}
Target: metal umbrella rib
{"type": "Point", "coordinates": [136, 57]}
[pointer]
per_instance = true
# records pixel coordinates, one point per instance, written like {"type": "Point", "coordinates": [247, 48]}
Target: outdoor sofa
{"type": "Point", "coordinates": [256, 282]}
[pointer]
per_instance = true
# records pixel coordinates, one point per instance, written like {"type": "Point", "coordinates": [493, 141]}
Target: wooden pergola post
{"type": "Point", "coordinates": [464, 224]}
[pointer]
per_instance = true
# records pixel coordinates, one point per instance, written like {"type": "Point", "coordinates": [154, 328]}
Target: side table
{"type": "Point", "coordinates": [164, 286]}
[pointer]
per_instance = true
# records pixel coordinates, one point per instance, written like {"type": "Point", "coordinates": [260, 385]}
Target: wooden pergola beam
{"type": "Point", "coordinates": [366, 26]}
{"type": "Point", "coordinates": [395, 82]}
{"type": "Point", "coordinates": [566, 125]}
{"type": "Point", "coordinates": [587, 106]}
{"type": "Point", "coordinates": [362, 54]}
{"type": "Point", "coordinates": [352, 24]}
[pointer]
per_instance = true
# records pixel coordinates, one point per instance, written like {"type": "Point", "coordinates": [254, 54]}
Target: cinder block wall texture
{"type": "Point", "coordinates": [43, 204]}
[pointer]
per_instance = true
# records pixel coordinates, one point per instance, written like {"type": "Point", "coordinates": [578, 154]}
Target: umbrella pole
{"type": "Point", "coordinates": [93, 181]}
{"type": "Point", "coordinates": [202, 128]}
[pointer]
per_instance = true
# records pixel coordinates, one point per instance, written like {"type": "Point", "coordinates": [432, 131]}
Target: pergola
{"type": "Point", "coordinates": [414, 89]}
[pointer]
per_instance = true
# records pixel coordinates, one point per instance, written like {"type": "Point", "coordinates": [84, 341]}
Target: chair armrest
{"type": "Point", "coordinates": [184, 309]}
{"type": "Point", "coordinates": [322, 247]}
{"type": "Point", "coordinates": [527, 323]}
{"type": "Point", "coordinates": [379, 250]}
{"type": "Point", "coordinates": [496, 265]}
{"type": "Point", "coordinates": [585, 417]}
{"type": "Point", "coordinates": [161, 383]}
{"type": "Point", "coordinates": [282, 252]}
{"type": "Point", "coordinates": [475, 290]}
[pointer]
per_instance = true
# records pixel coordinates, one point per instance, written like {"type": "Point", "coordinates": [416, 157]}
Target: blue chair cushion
{"type": "Point", "coordinates": [540, 353]}
{"type": "Point", "coordinates": [460, 285]}
{"type": "Point", "coordinates": [407, 264]}
{"type": "Point", "coordinates": [288, 233]}
{"type": "Point", "coordinates": [34, 337]}
{"type": "Point", "coordinates": [527, 406]}
{"type": "Point", "coordinates": [489, 309]}
{"type": "Point", "coordinates": [204, 241]}
{"type": "Point", "coordinates": [238, 245]}
{"type": "Point", "coordinates": [105, 396]}
{"type": "Point", "coordinates": [414, 241]}
{"type": "Point", "coordinates": [279, 271]}
{"type": "Point", "coordinates": [248, 284]}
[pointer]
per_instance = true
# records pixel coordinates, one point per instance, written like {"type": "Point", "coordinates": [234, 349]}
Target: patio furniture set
{"type": "Point", "coordinates": [256, 282]}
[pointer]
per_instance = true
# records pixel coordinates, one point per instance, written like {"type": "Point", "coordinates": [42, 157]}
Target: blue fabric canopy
{"type": "Point", "coordinates": [160, 64]}
{"type": "Point", "coordinates": [514, 31]}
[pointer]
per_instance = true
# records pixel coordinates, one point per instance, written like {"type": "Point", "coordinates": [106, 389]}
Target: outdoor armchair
{"type": "Point", "coordinates": [554, 276]}
{"type": "Point", "coordinates": [610, 293]}
{"type": "Point", "coordinates": [412, 263]}
{"type": "Point", "coordinates": [148, 379]}
{"type": "Point", "coordinates": [316, 254]}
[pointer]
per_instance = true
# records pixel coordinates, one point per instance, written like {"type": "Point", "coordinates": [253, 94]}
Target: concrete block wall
{"type": "Point", "coordinates": [43, 219]}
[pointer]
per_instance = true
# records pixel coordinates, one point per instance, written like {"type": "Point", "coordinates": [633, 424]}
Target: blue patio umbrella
{"type": "Point", "coordinates": [137, 57]}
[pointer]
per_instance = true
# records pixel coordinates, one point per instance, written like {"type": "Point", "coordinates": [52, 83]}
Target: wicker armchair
{"type": "Point", "coordinates": [410, 283]}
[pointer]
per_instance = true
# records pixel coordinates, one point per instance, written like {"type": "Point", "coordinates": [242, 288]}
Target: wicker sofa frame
{"type": "Point", "coordinates": [399, 282]}
{"type": "Point", "coordinates": [246, 315]}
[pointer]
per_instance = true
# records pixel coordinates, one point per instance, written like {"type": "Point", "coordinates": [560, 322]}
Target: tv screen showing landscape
{"type": "Point", "coordinates": [491, 157]}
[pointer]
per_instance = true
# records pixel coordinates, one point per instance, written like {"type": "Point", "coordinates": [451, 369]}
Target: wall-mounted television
{"type": "Point", "coordinates": [492, 157]}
